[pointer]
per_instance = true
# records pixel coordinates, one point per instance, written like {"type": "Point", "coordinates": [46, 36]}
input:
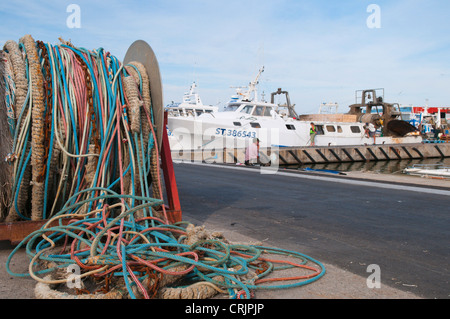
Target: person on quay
{"type": "Point", "coordinates": [312, 134]}
{"type": "Point", "coordinates": [252, 153]}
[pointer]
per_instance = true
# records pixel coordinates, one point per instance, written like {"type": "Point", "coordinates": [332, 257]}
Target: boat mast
{"type": "Point", "coordinates": [251, 88]}
{"type": "Point", "coordinates": [252, 85]}
{"type": "Point", "coordinates": [192, 96]}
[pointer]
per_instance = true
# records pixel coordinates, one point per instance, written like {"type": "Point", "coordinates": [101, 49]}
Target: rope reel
{"type": "Point", "coordinates": [81, 135]}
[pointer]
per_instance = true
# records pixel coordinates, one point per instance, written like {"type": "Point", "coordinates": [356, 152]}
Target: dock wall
{"type": "Point", "coordinates": [331, 154]}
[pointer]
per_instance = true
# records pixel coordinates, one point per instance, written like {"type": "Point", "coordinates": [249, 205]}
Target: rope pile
{"type": "Point", "coordinates": [85, 159]}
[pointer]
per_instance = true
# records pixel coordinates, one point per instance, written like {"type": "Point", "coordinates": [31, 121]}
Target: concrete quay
{"type": "Point", "coordinates": [341, 281]}
{"type": "Point", "coordinates": [287, 156]}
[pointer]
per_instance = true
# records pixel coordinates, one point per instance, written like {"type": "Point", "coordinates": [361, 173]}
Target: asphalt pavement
{"type": "Point", "coordinates": [347, 222]}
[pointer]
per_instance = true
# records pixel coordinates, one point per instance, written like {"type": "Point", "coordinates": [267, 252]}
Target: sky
{"type": "Point", "coordinates": [319, 51]}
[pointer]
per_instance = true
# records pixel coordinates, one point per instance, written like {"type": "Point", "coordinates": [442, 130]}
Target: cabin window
{"type": "Point", "coordinates": [237, 123]}
{"type": "Point", "coordinates": [339, 129]}
{"type": "Point", "coordinates": [331, 128]}
{"type": "Point", "coordinates": [267, 111]}
{"type": "Point", "coordinates": [355, 129]}
{"type": "Point", "coordinates": [290, 127]}
{"type": "Point", "coordinates": [247, 109]}
{"type": "Point", "coordinates": [232, 107]}
{"type": "Point", "coordinates": [255, 125]}
{"type": "Point", "coordinates": [319, 130]}
{"type": "Point", "coordinates": [259, 111]}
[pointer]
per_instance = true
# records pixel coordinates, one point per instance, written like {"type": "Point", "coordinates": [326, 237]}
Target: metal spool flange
{"type": "Point", "coordinates": [141, 52]}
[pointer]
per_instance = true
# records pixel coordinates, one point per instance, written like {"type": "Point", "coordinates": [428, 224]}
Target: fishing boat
{"type": "Point", "coordinates": [192, 105]}
{"type": "Point", "coordinates": [245, 118]}
{"type": "Point", "coordinates": [428, 170]}
{"type": "Point", "coordinates": [432, 122]}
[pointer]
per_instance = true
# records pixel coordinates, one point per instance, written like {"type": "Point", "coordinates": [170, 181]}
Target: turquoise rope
{"type": "Point", "coordinates": [215, 258]}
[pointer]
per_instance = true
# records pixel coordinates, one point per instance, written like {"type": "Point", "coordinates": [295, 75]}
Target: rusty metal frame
{"type": "Point", "coordinates": [17, 231]}
{"type": "Point", "coordinates": [174, 207]}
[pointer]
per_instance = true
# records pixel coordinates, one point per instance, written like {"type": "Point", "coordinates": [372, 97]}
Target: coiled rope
{"type": "Point", "coordinates": [84, 137]}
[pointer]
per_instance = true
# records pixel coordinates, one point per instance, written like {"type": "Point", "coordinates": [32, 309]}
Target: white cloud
{"type": "Point", "coordinates": [317, 50]}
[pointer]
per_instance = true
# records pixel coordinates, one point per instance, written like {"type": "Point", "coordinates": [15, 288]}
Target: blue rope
{"type": "Point", "coordinates": [91, 218]}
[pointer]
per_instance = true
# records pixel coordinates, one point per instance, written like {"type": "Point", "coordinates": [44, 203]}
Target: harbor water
{"type": "Point", "coordinates": [378, 167]}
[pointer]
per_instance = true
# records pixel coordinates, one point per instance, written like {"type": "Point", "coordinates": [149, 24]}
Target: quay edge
{"type": "Point", "coordinates": [321, 154]}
